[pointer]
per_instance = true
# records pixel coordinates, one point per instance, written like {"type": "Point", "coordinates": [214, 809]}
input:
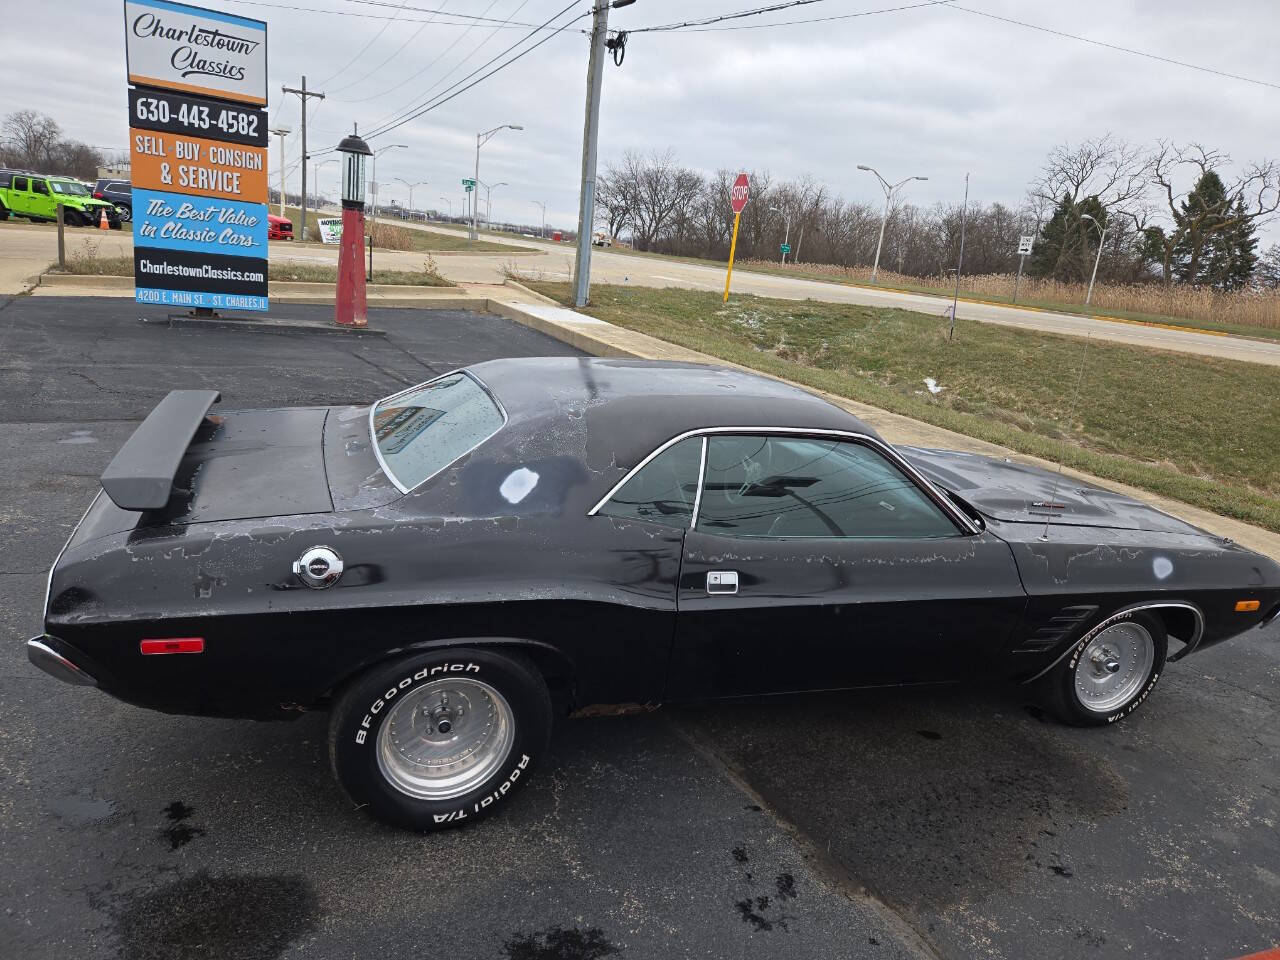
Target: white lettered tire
{"type": "Point", "coordinates": [440, 738]}
{"type": "Point", "coordinates": [1109, 672]}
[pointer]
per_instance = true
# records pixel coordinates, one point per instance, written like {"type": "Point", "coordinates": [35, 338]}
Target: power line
{"type": "Point", "coordinates": [441, 99]}
{"type": "Point", "coordinates": [838, 16]}
{"type": "Point", "coordinates": [400, 49]}
{"type": "Point", "coordinates": [755, 12]}
{"type": "Point", "coordinates": [460, 19]}
{"type": "Point", "coordinates": [362, 50]}
{"type": "Point", "coordinates": [423, 97]}
{"type": "Point", "coordinates": [1117, 48]}
{"type": "Point", "coordinates": [431, 63]}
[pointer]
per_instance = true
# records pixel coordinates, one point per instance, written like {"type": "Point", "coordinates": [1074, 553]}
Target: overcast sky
{"type": "Point", "coordinates": [934, 91]}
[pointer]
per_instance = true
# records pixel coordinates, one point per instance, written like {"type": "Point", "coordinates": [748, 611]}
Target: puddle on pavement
{"type": "Point", "coordinates": [560, 943]}
{"type": "Point", "coordinates": [217, 917]}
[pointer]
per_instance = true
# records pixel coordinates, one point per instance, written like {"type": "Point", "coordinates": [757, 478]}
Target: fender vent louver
{"type": "Point", "coordinates": [1056, 629]}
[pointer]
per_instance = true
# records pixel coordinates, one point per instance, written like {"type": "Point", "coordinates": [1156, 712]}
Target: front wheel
{"type": "Point", "coordinates": [1109, 673]}
{"type": "Point", "coordinates": [125, 211]}
{"type": "Point", "coordinates": [440, 738]}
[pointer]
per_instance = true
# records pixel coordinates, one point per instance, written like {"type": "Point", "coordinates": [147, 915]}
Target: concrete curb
{"type": "Point", "coordinates": [267, 325]}
{"type": "Point", "coordinates": [605, 340]}
{"type": "Point", "coordinates": [541, 298]}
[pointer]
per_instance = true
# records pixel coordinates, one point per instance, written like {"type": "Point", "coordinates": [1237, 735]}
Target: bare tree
{"type": "Point", "coordinates": [614, 200]}
{"type": "Point", "coordinates": [1253, 197]}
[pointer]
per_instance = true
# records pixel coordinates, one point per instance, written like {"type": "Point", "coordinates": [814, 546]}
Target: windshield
{"type": "Point", "coordinates": [69, 186]}
{"type": "Point", "coordinates": [424, 429]}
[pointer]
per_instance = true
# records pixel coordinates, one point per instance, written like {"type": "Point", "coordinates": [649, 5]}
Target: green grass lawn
{"type": "Point", "coordinates": [1197, 429]}
{"type": "Point", "coordinates": [303, 272]}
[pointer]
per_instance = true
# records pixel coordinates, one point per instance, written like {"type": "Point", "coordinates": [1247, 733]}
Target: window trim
{"type": "Point", "coordinates": [373, 433]}
{"type": "Point", "coordinates": [954, 513]}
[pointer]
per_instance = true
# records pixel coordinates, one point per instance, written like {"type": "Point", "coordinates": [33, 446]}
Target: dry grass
{"type": "Point", "coordinates": [1260, 309]}
{"type": "Point", "coordinates": [429, 276]}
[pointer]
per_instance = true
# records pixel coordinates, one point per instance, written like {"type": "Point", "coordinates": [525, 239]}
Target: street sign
{"type": "Point", "coordinates": [193, 50]}
{"type": "Point", "coordinates": [198, 156]}
{"type": "Point", "coordinates": [469, 187]}
{"type": "Point", "coordinates": [785, 248]}
{"type": "Point", "coordinates": [1024, 245]}
{"type": "Point", "coordinates": [737, 200]}
{"type": "Point", "coordinates": [468, 182]}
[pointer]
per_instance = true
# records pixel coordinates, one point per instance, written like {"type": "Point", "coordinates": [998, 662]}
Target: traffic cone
{"type": "Point", "coordinates": [102, 220]}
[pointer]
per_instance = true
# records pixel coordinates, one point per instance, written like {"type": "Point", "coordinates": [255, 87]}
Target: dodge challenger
{"type": "Point", "coordinates": [449, 568]}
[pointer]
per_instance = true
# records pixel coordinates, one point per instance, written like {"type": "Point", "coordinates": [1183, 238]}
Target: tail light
{"type": "Point", "coordinates": [97, 195]}
{"type": "Point", "coordinates": [172, 645]}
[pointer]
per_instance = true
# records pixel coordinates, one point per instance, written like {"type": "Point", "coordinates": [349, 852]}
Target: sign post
{"type": "Point", "coordinates": [738, 196]}
{"type": "Point", "coordinates": [198, 155]}
{"type": "Point", "coordinates": [1025, 243]}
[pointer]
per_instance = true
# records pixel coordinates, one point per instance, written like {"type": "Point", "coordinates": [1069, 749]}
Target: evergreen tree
{"type": "Point", "coordinates": [1068, 243]}
{"type": "Point", "coordinates": [1233, 252]}
{"type": "Point", "coordinates": [1199, 222]}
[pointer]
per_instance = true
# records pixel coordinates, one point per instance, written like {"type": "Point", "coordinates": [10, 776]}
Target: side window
{"type": "Point", "coordinates": [663, 490]}
{"type": "Point", "coordinates": [39, 186]}
{"type": "Point", "coordinates": [20, 183]}
{"type": "Point", "coordinates": [760, 486]}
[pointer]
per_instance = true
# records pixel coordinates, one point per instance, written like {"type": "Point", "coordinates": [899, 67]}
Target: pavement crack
{"type": "Point", "coordinates": [835, 873]}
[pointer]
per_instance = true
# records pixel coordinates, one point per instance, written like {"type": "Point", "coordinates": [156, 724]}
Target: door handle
{"type": "Point", "coordinates": [722, 581]}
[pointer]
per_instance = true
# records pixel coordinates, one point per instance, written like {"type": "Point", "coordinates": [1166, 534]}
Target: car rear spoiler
{"type": "Point", "coordinates": [140, 476]}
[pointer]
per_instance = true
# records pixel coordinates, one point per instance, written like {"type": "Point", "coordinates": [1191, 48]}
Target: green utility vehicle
{"type": "Point", "coordinates": [36, 196]}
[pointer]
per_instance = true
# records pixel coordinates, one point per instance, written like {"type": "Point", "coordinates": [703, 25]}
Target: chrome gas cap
{"type": "Point", "coordinates": [319, 567]}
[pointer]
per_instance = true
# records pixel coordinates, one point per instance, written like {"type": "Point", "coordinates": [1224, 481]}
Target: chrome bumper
{"type": "Point", "coordinates": [55, 664]}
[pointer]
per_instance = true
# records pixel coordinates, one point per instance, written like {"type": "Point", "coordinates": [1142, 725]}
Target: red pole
{"type": "Point", "coordinates": [351, 308]}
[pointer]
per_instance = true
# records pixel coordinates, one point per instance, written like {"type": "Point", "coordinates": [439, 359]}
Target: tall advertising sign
{"type": "Point", "coordinates": [198, 149]}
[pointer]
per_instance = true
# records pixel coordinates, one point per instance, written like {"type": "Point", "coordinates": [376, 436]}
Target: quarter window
{"type": "Point", "coordinates": [758, 486]}
{"type": "Point", "coordinates": [663, 490]}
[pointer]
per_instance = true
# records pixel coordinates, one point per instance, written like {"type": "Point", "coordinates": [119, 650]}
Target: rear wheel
{"type": "Point", "coordinates": [439, 738]}
{"type": "Point", "coordinates": [1109, 672]}
{"type": "Point", "coordinates": [4, 213]}
{"type": "Point", "coordinates": [125, 211]}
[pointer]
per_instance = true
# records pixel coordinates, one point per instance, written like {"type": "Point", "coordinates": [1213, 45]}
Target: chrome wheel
{"type": "Point", "coordinates": [1114, 667]}
{"type": "Point", "coordinates": [445, 738]}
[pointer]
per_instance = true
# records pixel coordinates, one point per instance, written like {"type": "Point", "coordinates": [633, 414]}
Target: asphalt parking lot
{"type": "Point", "coordinates": [926, 823]}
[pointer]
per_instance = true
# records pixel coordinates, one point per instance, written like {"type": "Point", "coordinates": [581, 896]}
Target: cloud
{"type": "Point", "coordinates": [935, 92]}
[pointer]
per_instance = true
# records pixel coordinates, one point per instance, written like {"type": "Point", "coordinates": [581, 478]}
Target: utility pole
{"type": "Point", "coordinates": [302, 95]}
{"type": "Point", "coordinates": [590, 134]}
{"type": "Point", "coordinates": [281, 133]}
{"type": "Point", "coordinates": [544, 217]}
{"type": "Point", "coordinates": [964, 222]}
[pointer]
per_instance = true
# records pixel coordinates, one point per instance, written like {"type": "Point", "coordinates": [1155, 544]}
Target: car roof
{"type": "Point", "coordinates": [633, 406]}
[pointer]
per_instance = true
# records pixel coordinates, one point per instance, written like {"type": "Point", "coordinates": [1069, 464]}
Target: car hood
{"type": "Point", "coordinates": [1018, 493]}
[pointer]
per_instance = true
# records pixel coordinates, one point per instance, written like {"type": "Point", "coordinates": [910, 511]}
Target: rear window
{"type": "Point", "coordinates": [424, 429]}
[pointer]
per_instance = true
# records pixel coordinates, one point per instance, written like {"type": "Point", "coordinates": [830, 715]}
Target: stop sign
{"type": "Point", "coordinates": [738, 195]}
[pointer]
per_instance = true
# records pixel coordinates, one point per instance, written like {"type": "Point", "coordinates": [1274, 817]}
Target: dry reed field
{"type": "Point", "coordinates": [1245, 308]}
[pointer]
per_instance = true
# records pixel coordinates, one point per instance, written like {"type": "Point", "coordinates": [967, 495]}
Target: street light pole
{"type": "Point", "coordinates": [488, 200]}
{"type": "Point", "coordinates": [281, 133]}
{"type": "Point", "coordinates": [544, 217]}
{"type": "Point", "coordinates": [390, 146]}
{"type": "Point", "coordinates": [786, 241]}
{"type": "Point", "coordinates": [315, 176]}
{"type": "Point", "coordinates": [450, 203]}
{"type": "Point", "coordinates": [420, 183]}
{"type": "Point", "coordinates": [481, 140]}
{"type": "Point", "coordinates": [1102, 238]}
{"type": "Point", "coordinates": [889, 191]}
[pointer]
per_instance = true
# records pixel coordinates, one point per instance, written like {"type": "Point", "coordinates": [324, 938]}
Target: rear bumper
{"type": "Point", "coordinates": [59, 661]}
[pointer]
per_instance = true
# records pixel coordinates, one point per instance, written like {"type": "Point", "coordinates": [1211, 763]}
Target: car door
{"type": "Point", "coordinates": [42, 203]}
{"type": "Point", "coordinates": [821, 563]}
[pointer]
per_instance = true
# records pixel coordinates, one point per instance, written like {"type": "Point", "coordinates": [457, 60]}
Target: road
{"type": "Point", "coordinates": [608, 266]}
{"type": "Point", "coordinates": [26, 250]}
{"type": "Point", "coordinates": [915, 824]}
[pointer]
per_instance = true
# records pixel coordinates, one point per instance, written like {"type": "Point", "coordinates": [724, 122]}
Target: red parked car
{"type": "Point", "coordinates": [279, 228]}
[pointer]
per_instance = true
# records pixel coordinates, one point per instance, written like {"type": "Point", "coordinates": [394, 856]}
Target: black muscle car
{"type": "Point", "coordinates": [447, 568]}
